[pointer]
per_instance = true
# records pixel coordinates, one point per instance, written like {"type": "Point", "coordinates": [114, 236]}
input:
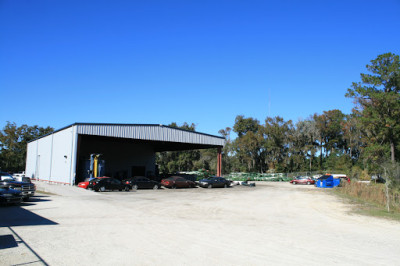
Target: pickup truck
{"type": "Point", "coordinates": [27, 189]}
{"type": "Point", "coordinates": [10, 196]}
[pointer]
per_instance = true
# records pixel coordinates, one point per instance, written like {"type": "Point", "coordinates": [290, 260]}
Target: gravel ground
{"type": "Point", "coordinates": [271, 224]}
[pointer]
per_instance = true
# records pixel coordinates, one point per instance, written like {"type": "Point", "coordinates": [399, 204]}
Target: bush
{"type": "Point", "coordinates": [356, 173]}
{"type": "Point", "coordinates": [373, 193]}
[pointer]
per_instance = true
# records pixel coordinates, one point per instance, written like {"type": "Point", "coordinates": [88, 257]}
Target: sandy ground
{"type": "Point", "coordinates": [271, 224]}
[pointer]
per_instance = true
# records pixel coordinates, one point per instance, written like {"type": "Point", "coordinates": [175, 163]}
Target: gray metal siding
{"type": "Point", "coordinates": [149, 132]}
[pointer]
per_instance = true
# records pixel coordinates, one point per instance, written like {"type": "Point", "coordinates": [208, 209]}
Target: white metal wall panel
{"type": "Point", "coordinates": [31, 154]}
{"type": "Point", "coordinates": [149, 132]}
{"type": "Point", "coordinates": [61, 156]}
{"type": "Point", "coordinates": [43, 159]}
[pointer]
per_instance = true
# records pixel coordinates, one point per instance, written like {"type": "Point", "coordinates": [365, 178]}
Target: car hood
{"type": "Point", "coordinates": [16, 182]}
{"type": "Point", "coordinates": [9, 190]}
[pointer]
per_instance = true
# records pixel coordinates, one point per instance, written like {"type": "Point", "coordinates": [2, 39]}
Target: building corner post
{"type": "Point", "coordinates": [219, 162]}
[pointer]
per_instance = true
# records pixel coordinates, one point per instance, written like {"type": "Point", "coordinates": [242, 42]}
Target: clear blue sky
{"type": "Point", "coordinates": [202, 62]}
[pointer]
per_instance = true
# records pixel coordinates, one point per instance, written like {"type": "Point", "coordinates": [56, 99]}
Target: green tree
{"type": "Point", "coordinates": [244, 125]}
{"type": "Point", "coordinates": [13, 143]}
{"type": "Point", "coordinates": [247, 147]}
{"type": "Point", "coordinates": [175, 161]}
{"type": "Point", "coordinates": [329, 126]}
{"type": "Point", "coordinates": [277, 134]}
{"type": "Point", "coordinates": [227, 152]}
{"type": "Point", "coordinates": [378, 100]}
{"type": "Point", "coordinates": [304, 141]}
{"type": "Point", "coordinates": [352, 135]}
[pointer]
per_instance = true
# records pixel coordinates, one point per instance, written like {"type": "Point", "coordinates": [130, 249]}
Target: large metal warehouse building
{"type": "Point", "coordinates": [127, 149]}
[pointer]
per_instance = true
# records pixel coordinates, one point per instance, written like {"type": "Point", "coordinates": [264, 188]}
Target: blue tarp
{"type": "Point", "coordinates": [329, 182]}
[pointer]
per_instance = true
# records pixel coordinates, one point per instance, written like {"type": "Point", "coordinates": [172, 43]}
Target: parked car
{"type": "Point", "coordinates": [177, 182]}
{"type": "Point", "coordinates": [378, 179]}
{"type": "Point", "coordinates": [27, 188]}
{"type": "Point", "coordinates": [141, 182]}
{"type": "Point", "coordinates": [10, 196]}
{"type": "Point", "coordinates": [21, 177]}
{"type": "Point", "coordinates": [85, 183]}
{"type": "Point", "coordinates": [305, 180]}
{"type": "Point", "coordinates": [214, 181]}
{"type": "Point", "coordinates": [103, 184]}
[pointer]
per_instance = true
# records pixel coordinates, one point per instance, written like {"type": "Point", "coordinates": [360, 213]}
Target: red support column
{"type": "Point", "coordinates": [219, 162]}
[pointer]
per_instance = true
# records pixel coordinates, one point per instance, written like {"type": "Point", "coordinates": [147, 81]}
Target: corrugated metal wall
{"type": "Point", "coordinates": [149, 132]}
{"type": "Point", "coordinates": [51, 158]}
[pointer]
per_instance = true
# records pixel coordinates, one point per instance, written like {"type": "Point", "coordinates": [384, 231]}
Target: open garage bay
{"type": "Point", "coordinates": [271, 224]}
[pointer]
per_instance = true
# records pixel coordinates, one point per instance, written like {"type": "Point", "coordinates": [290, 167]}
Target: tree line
{"type": "Point", "coordinates": [13, 143]}
{"type": "Point", "coordinates": [364, 140]}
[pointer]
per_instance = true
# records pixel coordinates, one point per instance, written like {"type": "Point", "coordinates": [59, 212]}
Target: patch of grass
{"type": "Point", "coordinates": [366, 207]}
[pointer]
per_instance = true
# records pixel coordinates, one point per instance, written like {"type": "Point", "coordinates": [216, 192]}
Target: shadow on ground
{"type": "Point", "coordinates": [15, 215]}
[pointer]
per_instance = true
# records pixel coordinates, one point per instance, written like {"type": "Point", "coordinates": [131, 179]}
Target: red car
{"type": "Point", "coordinates": [177, 182]}
{"type": "Point", "coordinates": [85, 183]}
{"type": "Point", "coordinates": [305, 180]}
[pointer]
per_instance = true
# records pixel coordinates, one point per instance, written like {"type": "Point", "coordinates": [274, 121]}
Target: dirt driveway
{"type": "Point", "coordinates": [271, 224]}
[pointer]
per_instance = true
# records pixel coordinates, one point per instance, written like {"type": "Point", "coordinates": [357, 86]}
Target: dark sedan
{"type": "Point", "coordinates": [177, 182]}
{"type": "Point", "coordinates": [108, 184]}
{"type": "Point", "coordinates": [214, 182]}
{"type": "Point", "coordinates": [141, 182]}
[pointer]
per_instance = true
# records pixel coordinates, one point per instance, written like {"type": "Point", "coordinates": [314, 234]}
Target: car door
{"type": "Point", "coordinates": [146, 183]}
{"type": "Point", "coordinates": [216, 182]}
{"type": "Point", "coordinates": [180, 182]}
{"type": "Point", "coordinates": [105, 183]}
{"type": "Point", "coordinates": [139, 182]}
{"type": "Point", "coordinates": [115, 184]}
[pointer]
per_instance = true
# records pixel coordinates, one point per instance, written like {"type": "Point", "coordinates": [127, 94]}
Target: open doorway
{"type": "Point", "coordinates": [138, 171]}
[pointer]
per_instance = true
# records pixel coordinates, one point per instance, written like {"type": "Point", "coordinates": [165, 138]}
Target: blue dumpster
{"type": "Point", "coordinates": [328, 182]}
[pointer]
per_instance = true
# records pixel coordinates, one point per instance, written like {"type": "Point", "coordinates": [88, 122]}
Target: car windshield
{"type": "Point", "coordinates": [26, 180]}
{"type": "Point", "coordinates": [5, 176]}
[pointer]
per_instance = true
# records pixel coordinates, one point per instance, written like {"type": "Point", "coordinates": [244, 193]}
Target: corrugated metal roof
{"type": "Point", "coordinates": [149, 132]}
{"type": "Point", "coordinates": [152, 132]}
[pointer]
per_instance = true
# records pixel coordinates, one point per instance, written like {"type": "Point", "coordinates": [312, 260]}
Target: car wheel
{"type": "Point", "coordinates": [294, 183]}
{"type": "Point", "coordinates": [174, 187]}
{"type": "Point", "coordinates": [308, 182]}
{"type": "Point", "coordinates": [155, 187]}
{"type": "Point", "coordinates": [102, 189]}
{"type": "Point", "coordinates": [209, 186]}
{"type": "Point", "coordinates": [225, 186]}
{"type": "Point", "coordinates": [126, 188]}
{"type": "Point", "coordinates": [135, 187]}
